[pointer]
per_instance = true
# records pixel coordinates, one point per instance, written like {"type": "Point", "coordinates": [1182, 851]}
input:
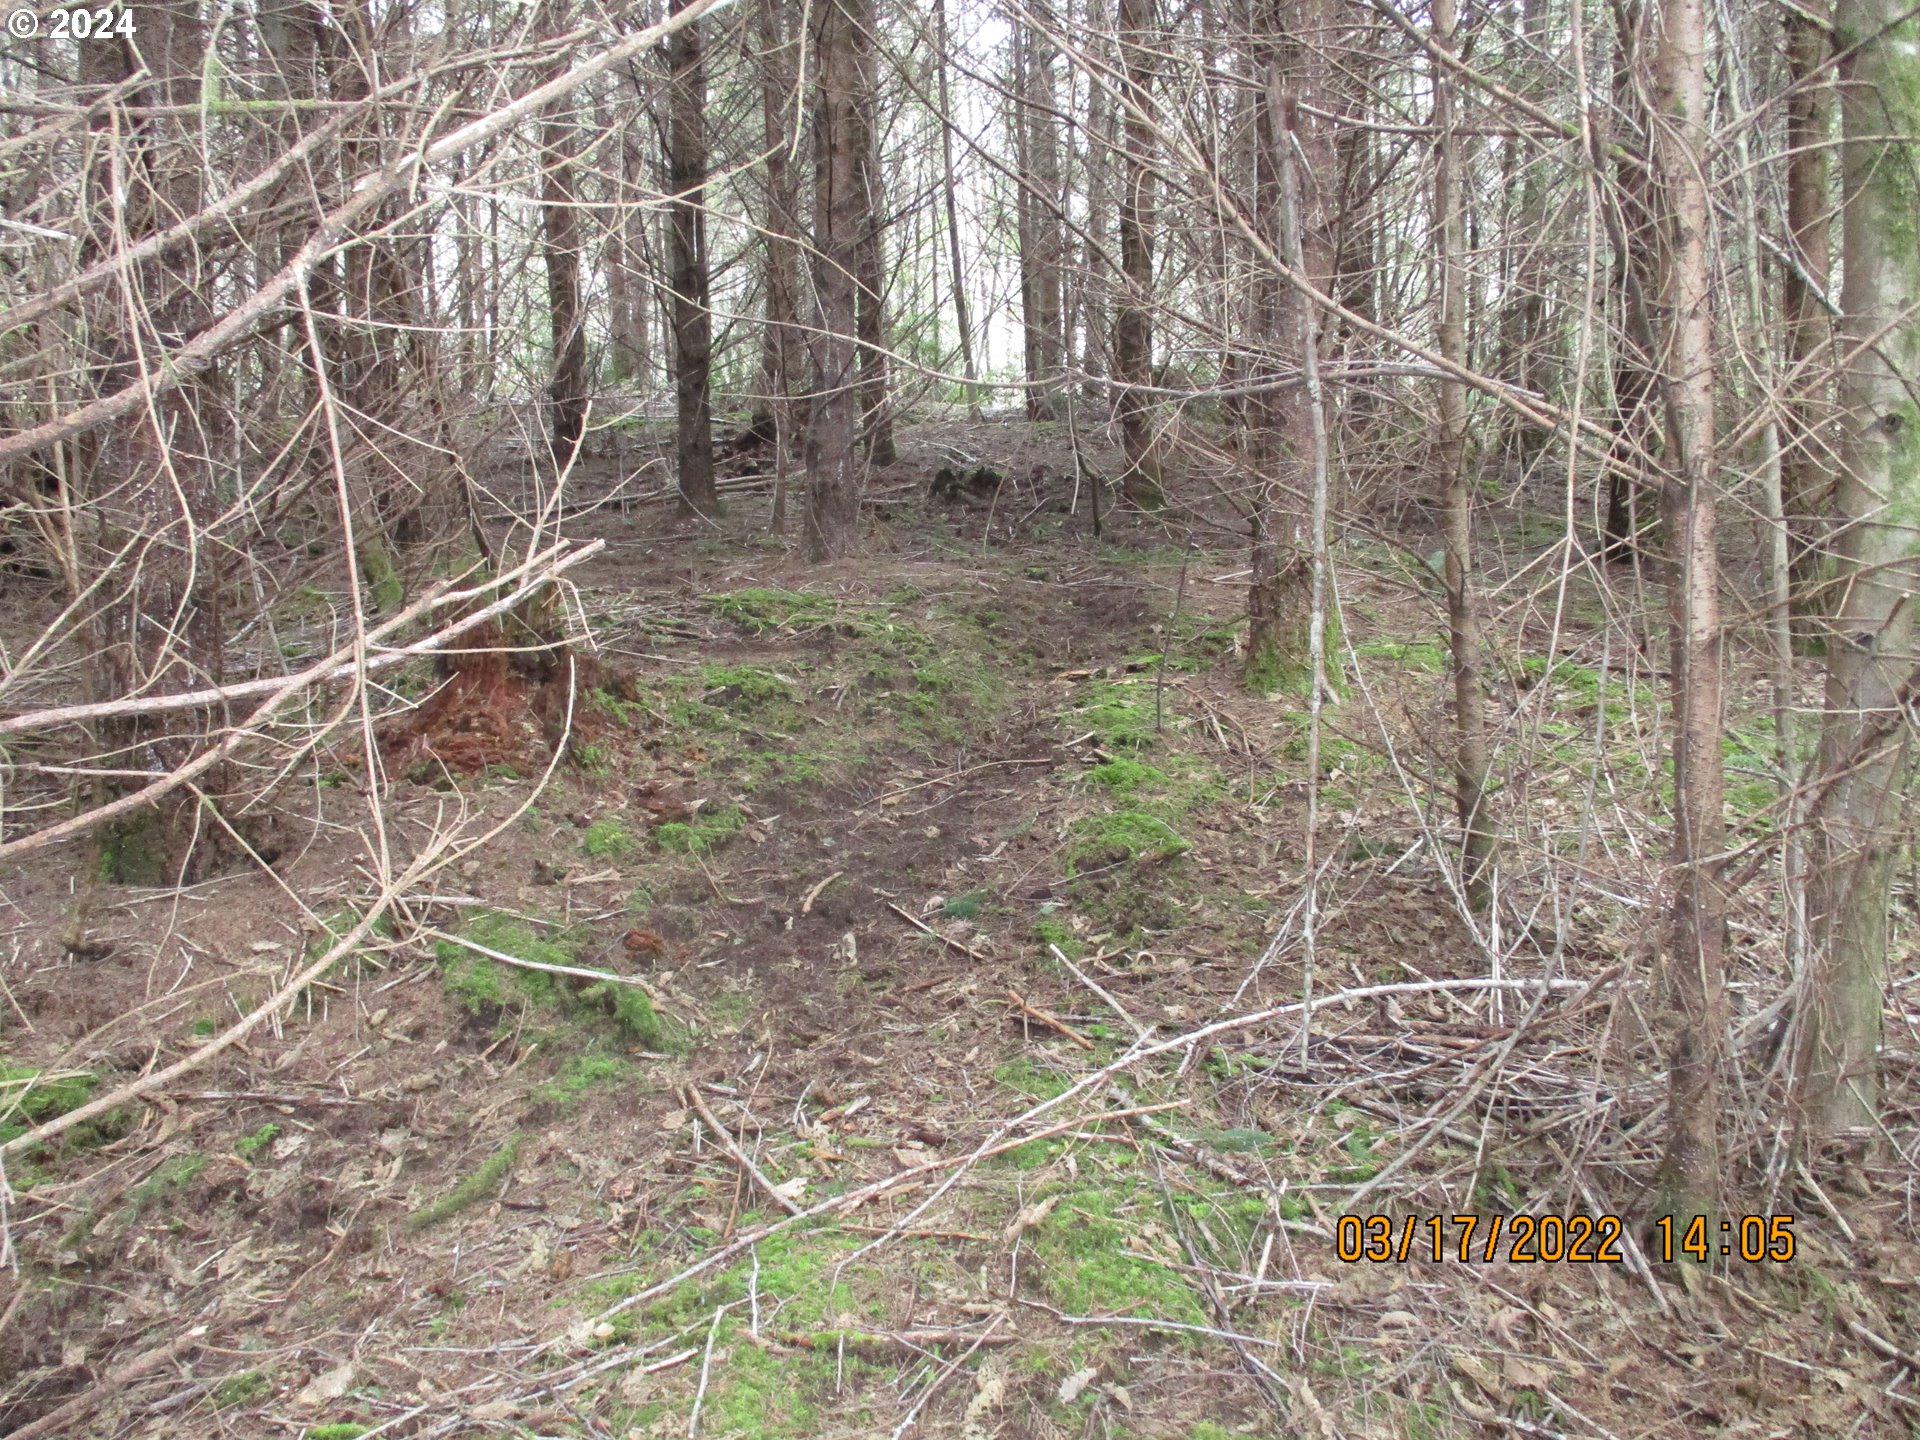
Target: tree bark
{"type": "Point", "coordinates": [687, 235]}
{"type": "Point", "coordinates": [1141, 474]}
{"type": "Point", "coordinates": [566, 315]}
{"type": "Point", "coordinates": [1694, 945]}
{"type": "Point", "coordinates": [870, 257]}
{"type": "Point", "coordinates": [1042, 245]}
{"type": "Point", "coordinates": [1806, 459]}
{"type": "Point", "coordinates": [833, 479]}
{"type": "Point", "coordinates": [1876, 554]}
{"type": "Point", "coordinates": [1463, 624]}
{"type": "Point", "coordinates": [951, 205]}
{"type": "Point", "coordinates": [1290, 451]}
{"type": "Point", "coordinates": [783, 347]}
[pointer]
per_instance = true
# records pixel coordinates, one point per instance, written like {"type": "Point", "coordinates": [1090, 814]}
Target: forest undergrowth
{"type": "Point", "coordinates": [903, 1009]}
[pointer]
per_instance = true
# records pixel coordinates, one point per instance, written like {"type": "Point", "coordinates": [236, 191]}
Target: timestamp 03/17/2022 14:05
{"type": "Point", "coordinates": [1551, 1239]}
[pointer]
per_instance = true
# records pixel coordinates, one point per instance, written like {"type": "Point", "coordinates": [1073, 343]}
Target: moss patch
{"type": "Point", "coordinates": [708, 830]}
{"type": "Point", "coordinates": [470, 1191]}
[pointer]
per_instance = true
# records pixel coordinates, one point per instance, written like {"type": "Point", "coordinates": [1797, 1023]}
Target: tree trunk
{"type": "Point", "coordinates": [951, 205]}
{"type": "Point", "coordinates": [1806, 462]}
{"type": "Point", "coordinates": [1289, 459]}
{"type": "Point", "coordinates": [628, 325]}
{"type": "Point", "coordinates": [1042, 246]}
{"type": "Point", "coordinates": [687, 235]}
{"type": "Point", "coordinates": [1630, 232]}
{"type": "Point", "coordinates": [1463, 625]}
{"type": "Point", "coordinates": [150, 477]}
{"type": "Point", "coordinates": [870, 254]}
{"type": "Point", "coordinates": [1140, 477]}
{"type": "Point", "coordinates": [1871, 652]}
{"type": "Point", "coordinates": [567, 389]}
{"type": "Point", "coordinates": [1694, 944]}
{"type": "Point", "coordinates": [833, 480]}
{"type": "Point", "coordinates": [781, 352]}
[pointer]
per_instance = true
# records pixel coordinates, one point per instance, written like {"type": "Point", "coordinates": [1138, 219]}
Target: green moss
{"type": "Point", "coordinates": [1049, 931]}
{"type": "Point", "coordinates": [248, 1146]}
{"type": "Point", "coordinates": [1091, 1266]}
{"type": "Point", "coordinates": [633, 1015]}
{"type": "Point", "coordinates": [708, 830]}
{"type": "Point", "coordinates": [1424, 655]}
{"type": "Point", "coordinates": [378, 574]}
{"type": "Point", "coordinates": [242, 1389]}
{"type": "Point", "coordinates": [343, 1430]}
{"type": "Point", "coordinates": [39, 1095]}
{"type": "Point", "coordinates": [962, 907]}
{"type": "Point", "coordinates": [1127, 777]}
{"type": "Point", "coordinates": [470, 1191]}
{"type": "Point", "coordinates": [761, 610]}
{"type": "Point", "coordinates": [1119, 715]}
{"type": "Point", "coordinates": [608, 839]}
{"type": "Point", "coordinates": [582, 1074]}
{"type": "Point", "coordinates": [134, 850]}
{"type": "Point", "coordinates": [1122, 835]}
{"type": "Point", "coordinates": [1034, 1081]}
{"type": "Point", "coordinates": [174, 1173]}
{"type": "Point", "coordinates": [486, 986]}
{"type": "Point", "coordinates": [744, 687]}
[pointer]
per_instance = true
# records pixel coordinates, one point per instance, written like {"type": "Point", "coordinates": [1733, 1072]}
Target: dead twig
{"type": "Point", "coordinates": [732, 1147]}
{"type": "Point", "coordinates": [1052, 1022]}
{"type": "Point", "coordinates": [946, 940]}
{"type": "Point", "coordinates": [806, 905]}
{"type": "Point", "coordinates": [58, 1421]}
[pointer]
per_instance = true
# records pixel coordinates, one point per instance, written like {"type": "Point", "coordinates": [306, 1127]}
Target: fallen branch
{"type": "Point", "coordinates": [58, 1421]}
{"type": "Point", "coordinates": [1052, 1022]}
{"type": "Point", "coordinates": [732, 1147]}
{"type": "Point", "coordinates": [946, 940]}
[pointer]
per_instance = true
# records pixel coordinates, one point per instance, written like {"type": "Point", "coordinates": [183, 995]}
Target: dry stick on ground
{"type": "Point", "coordinates": [946, 940]}
{"type": "Point", "coordinates": [1052, 1022]}
{"type": "Point", "coordinates": [1139, 1030]}
{"type": "Point", "coordinates": [56, 1421]}
{"type": "Point", "coordinates": [985, 1337]}
{"type": "Point", "coordinates": [733, 1148]}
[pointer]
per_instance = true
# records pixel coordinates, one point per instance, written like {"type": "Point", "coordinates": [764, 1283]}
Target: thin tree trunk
{"type": "Point", "coordinates": [870, 263]}
{"type": "Point", "coordinates": [1041, 242]}
{"type": "Point", "coordinates": [1806, 463]}
{"type": "Point", "coordinates": [952, 207]}
{"type": "Point", "coordinates": [784, 344]}
{"type": "Point", "coordinates": [833, 479]}
{"type": "Point", "coordinates": [1463, 625]}
{"type": "Point", "coordinates": [687, 259]}
{"type": "Point", "coordinates": [567, 390]}
{"type": "Point", "coordinates": [1140, 478]}
{"type": "Point", "coordinates": [1871, 654]}
{"type": "Point", "coordinates": [1693, 958]}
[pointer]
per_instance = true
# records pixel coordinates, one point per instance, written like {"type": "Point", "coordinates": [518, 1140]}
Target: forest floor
{"type": "Point", "coordinates": [907, 852]}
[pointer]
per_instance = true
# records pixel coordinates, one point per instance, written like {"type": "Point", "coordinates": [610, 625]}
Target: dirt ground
{"type": "Point", "coordinates": [917, 875]}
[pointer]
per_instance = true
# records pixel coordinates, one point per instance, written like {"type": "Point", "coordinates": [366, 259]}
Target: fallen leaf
{"type": "Point", "coordinates": [1030, 1216]}
{"type": "Point", "coordinates": [329, 1386]}
{"type": "Point", "coordinates": [1071, 1387]}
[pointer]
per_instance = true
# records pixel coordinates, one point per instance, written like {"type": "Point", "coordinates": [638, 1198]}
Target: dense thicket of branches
{"type": "Point", "coordinates": [274, 276]}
